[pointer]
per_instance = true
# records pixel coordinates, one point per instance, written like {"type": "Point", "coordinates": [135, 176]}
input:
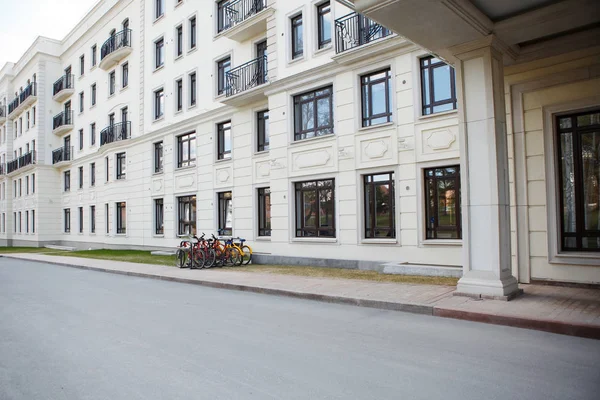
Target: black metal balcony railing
{"type": "Point", "coordinates": [116, 42]}
{"type": "Point", "coordinates": [30, 90]}
{"type": "Point", "coordinates": [64, 82]}
{"type": "Point", "coordinates": [62, 154]}
{"type": "Point", "coordinates": [23, 161]}
{"type": "Point", "coordinates": [238, 11]}
{"type": "Point", "coordinates": [64, 118]}
{"type": "Point", "coordinates": [246, 76]}
{"type": "Point", "coordinates": [115, 133]}
{"type": "Point", "coordinates": [354, 30]}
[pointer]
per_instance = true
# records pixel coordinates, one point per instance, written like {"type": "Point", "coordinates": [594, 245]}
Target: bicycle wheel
{"type": "Point", "coordinates": [210, 257]}
{"type": "Point", "coordinates": [197, 259]}
{"type": "Point", "coordinates": [247, 254]}
{"type": "Point", "coordinates": [233, 256]}
{"type": "Point", "coordinates": [181, 258]}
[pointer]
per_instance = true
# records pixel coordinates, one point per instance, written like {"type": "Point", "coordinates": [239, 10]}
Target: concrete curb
{"type": "Point", "coordinates": [562, 328]}
{"type": "Point", "coordinates": [581, 330]}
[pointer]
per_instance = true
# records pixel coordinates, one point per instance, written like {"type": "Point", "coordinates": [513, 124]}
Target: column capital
{"type": "Point", "coordinates": [466, 51]}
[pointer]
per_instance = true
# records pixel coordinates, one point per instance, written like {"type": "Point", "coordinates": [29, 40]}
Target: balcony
{"type": "Point", "coordinates": [63, 154]}
{"type": "Point", "coordinates": [245, 84]}
{"type": "Point", "coordinates": [23, 161]}
{"type": "Point", "coordinates": [63, 88]}
{"type": "Point", "coordinates": [62, 123]}
{"type": "Point", "coordinates": [241, 20]}
{"type": "Point", "coordinates": [116, 48]}
{"type": "Point", "coordinates": [115, 133]}
{"type": "Point", "coordinates": [26, 98]}
{"type": "Point", "coordinates": [2, 114]}
{"type": "Point", "coordinates": [355, 30]}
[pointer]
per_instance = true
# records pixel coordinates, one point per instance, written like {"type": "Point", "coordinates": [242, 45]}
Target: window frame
{"type": "Point", "coordinates": [295, 26]}
{"type": "Point", "coordinates": [66, 220]}
{"type": "Point", "coordinates": [93, 95]}
{"type": "Point", "coordinates": [121, 207]}
{"type": "Point", "coordinates": [93, 219]}
{"type": "Point", "coordinates": [366, 87]}
{"type": "Point", "coordinates": [121, 165]}
{"type": "Point", "coordinates": [80, 213]}
{"type": "Point", "coordinates": [369, 197]}
{"type": "Point", "coordinates": [159, 52]}
{"type": "Point", "coordinates": [92, 174]}
{"type": "Point", "coordinates": [223, 66]}
{"type": "Point", "coordinates": [262, 131]}
{"type": "Point", "coordinates": [222, 128]}
{"type": "Point", "coordinates": [159, 9]}
{"type": "Point", "coordinates": [190, 222]}
{"type": "Point", "coordinates": [66, 181]}
{"type": "Point", "coordinates": [188, 161]}
{"type": "Point", "coordinates": [125, 75]}
{"type": "Point", "coordinates": [193, 82]}
{"type": "Point", "coordinates": [222, 227]}
{"type": "Point", "coordinates": [159, 217]}
{"type": "Point", "coordinates": [323, 43]}
{"type": "Point", "coordinates": [80, 176]}
{"type": "Point", "coordinates": [427, 67]}
{"type": "Point", "coordinates": [179, 40]}
{"type": "Point", "coordinates": [264, 212]}
{"type": "Point", "coordinates": [112, 82]}
{"type": "Point", "coordinates": [426, 209]}
{"type": "Point", "coordinates": [159, 103]}
{"type": "Point", "coordinates": [302, 231]}
{"type": "Point", "coordinates": [192, 25]}
{"type": "Point", "coordinates": [300, 134]}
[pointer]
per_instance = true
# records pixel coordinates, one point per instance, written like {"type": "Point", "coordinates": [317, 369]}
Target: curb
{"type": "Point", "coordinates": [561, 328]}
{"type": "Point", "coordinates": [580, 330]}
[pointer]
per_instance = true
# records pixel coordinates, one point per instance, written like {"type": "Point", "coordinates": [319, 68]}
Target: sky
{"type": "Point", "coordinates": [22, 21]}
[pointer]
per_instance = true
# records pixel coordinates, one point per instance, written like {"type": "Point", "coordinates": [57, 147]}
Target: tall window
{"type": "Point", "coordinates": [81, 102]}
{"type": "Point", "coordinates": [125, 75]}
{"type": "Point", "coordinates": [224, 140]}
{"type": "Point", "coordinates": [179, 85]}
{"type": "Point", "coordinates": [121, 165]}
{"type": "Point", "coordinates": [313, 113]}
{"type": "Point", "coordinates": [32, 183]}
{"type": "Point", "coordinates": [80, 176]}
{"type": "Point", "coordinates": [264, 212]}
{"type": "Point", "coordinates": [192, 89]}
{"type": "Point", "coordinates": [106, 218]}
{"type": "Point", "coordinates": [32, 221]}
{"type": "Point", "coordinates": [93, 174]}
{"type": "Point", "coordinates": [121, 218]}
{"type": "Point", "coordinates": [67, 179]}
{"type": "Point", "coordinates": [225, 214]}
{"type": "Point", "coordinates": [315, 208]}
{"type": "Point", "coordinates": [223, 19]}
{"type": "Point", "coordinates": [159, 103]}
{"type": "Point", "coordinates": [106, 168]}
{"type": "Point", "coordinates": [81, 139]}
{"type": "Point", "coordinates": [297, 37]}
{"type": "Point", "coordinates": [159, 228]}
{"type": "Point", "coordinates": [93, 133]}
{"type": "Point", "coordinates": [376, 98]}
{"type": "Point", "coordinates": [262, 130]}
{"type": "Point", "coordinates": [26, 221]}
{"type": "Point", "coordinates": [80, 219]}
{"type": "Point", "coordinates": [578, 144]}
{"type": "Point", "coordinates": [438, 89]}
{"type": "Point", "coordinates": [159, 9]}
{"type": "Point", "coordinates": [94, 51]}
{"type": "Point", "coordinates": [92, 219]}
{"type": "Point", "coordinates": [186, 150]}
{"type": "Point", "coordinates": [159, 53]}
{"type": "Point", "coordinates": [324, 24]}
{"type": "Point", "coordinates": [158, 157]}
{"type": "Point", "coordinates": [93, 94]}
{"type": "Point", "coordinates": [179, 34]}
{"type": "Point", "coordinates": [111, 83]}
{"type": "Point", "coordinates": [67, 219]}
{"type": "Point", "coordinates": [82, 65]}
{"type": "Point", "coordinates": [187, 215]}
{"type": "Point", "coordinates": [379, 206]}
{"type": "Point", "coordinates": [192, 33]}
{"type": "Point", "coordinates": [27, 185]}
{"type": "Point", "coordinates": [442, 203]}
{"type": "Point", "coordinates": [223, 67]}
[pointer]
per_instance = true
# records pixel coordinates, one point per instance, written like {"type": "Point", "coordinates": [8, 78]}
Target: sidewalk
{"type": "Point", "coordinates": [564, 310]}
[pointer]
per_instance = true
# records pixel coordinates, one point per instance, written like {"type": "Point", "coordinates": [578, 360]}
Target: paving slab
{"type": "Point", "coordinates": [564, 310]}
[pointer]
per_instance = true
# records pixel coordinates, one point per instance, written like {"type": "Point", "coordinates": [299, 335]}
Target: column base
{"type": "Point", "coordinates": [486, 284]}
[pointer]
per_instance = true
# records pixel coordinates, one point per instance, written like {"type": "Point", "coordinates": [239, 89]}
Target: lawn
{"type": "Point", "coordinates": [144, 257]}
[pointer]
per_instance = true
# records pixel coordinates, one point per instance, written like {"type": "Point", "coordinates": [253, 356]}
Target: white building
{"type": "Point", "coordinates": [315, 133]}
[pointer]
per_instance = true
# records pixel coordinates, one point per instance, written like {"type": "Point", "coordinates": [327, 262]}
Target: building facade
{"type": "Point", "coordinates": [314, 132]}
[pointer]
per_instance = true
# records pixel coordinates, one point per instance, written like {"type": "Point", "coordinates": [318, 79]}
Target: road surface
{"type": "Point", "coordinates": [75, 334]}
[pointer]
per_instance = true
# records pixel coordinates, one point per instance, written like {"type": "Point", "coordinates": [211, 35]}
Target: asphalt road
{"type": "Point", "coordinates": [74, 334]}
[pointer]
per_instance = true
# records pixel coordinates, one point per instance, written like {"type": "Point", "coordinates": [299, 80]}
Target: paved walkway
{"type": "Point", "coordinates": [565, 310]}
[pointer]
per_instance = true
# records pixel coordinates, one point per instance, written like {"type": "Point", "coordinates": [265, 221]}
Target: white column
{"type": "Point", "coordinates": [484, 172]}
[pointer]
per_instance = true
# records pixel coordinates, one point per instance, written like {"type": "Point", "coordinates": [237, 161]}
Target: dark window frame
{"type": "Point", "coordinates": [179, 98]}
{"type": "Point", "coordinates": [67, 181]}
{"type": "Point", "coordinates": [223, 153]}
{"type": "Point", "coordinates": [184, 159]}
{"type": "Point", "coordinates": [300, 134]}
{"type": "Point", "coordinates": [264, 211]}
{"type": "Point", "coordinates": [222, 199]}
{"type": "Point", "coordinates": [297, 24]}
{"type": "Point", "coordinates": [159, 9]}
{"type": "Point", "coordinates": [121, 208]}
{"type": "Point", "coordinates": [125, 75]}
{"type": "Point", "coordinates": [428, 66]}
{"type": "Point", "coordinates": [112, 82]}
{"type": "Point", "coordinates": [192, 22]}
{"type": "Point", "coordinates": [323, 9]}
{"type": "Point", "coordinates": [179, 38]}
{"type": "Point", "coordinates": [80, 212]}
{"type": "Point", "coordinates": [92, 174]}
{"type": "Point", "coordinates": [317, 186]}
{"type": "Point", "coordinates": [121, 165]}
{"type": "Point", "coordinates": [93, 133]}
{"type": "Point", "coordinates": [366, 97]}
{"type": "Point", "coordinates": [159, 53]}
{"type": "Point", "coordinates": [580, 232]}
{"type": "Point", "coordinates": [159, 217]}
{"type": "Point", "coordinates": [432, 227]}
{"type": "Point", "coordinates": [186, 223]}
{"type": "Point", "coordinates": [262, 131]}
{"type": "Point", "coordinates": [193, 86]}
{"type": "Point", "coordinates": [223, 66]}
{"type": "Point", "coordinates": [370, 186]}
{"type": "Point", "coordinates": [67, 220]}
{"type": "Point", "coordinates": [92, 219]}
{"type": "Point", "coordinates": [159, 102]}
{"type": "Point", "coordinates": [80, 173]}
{"type": "Point", "coordinates": [158, 157]}
{"type": "Point", "coordinates": [93, 94]}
